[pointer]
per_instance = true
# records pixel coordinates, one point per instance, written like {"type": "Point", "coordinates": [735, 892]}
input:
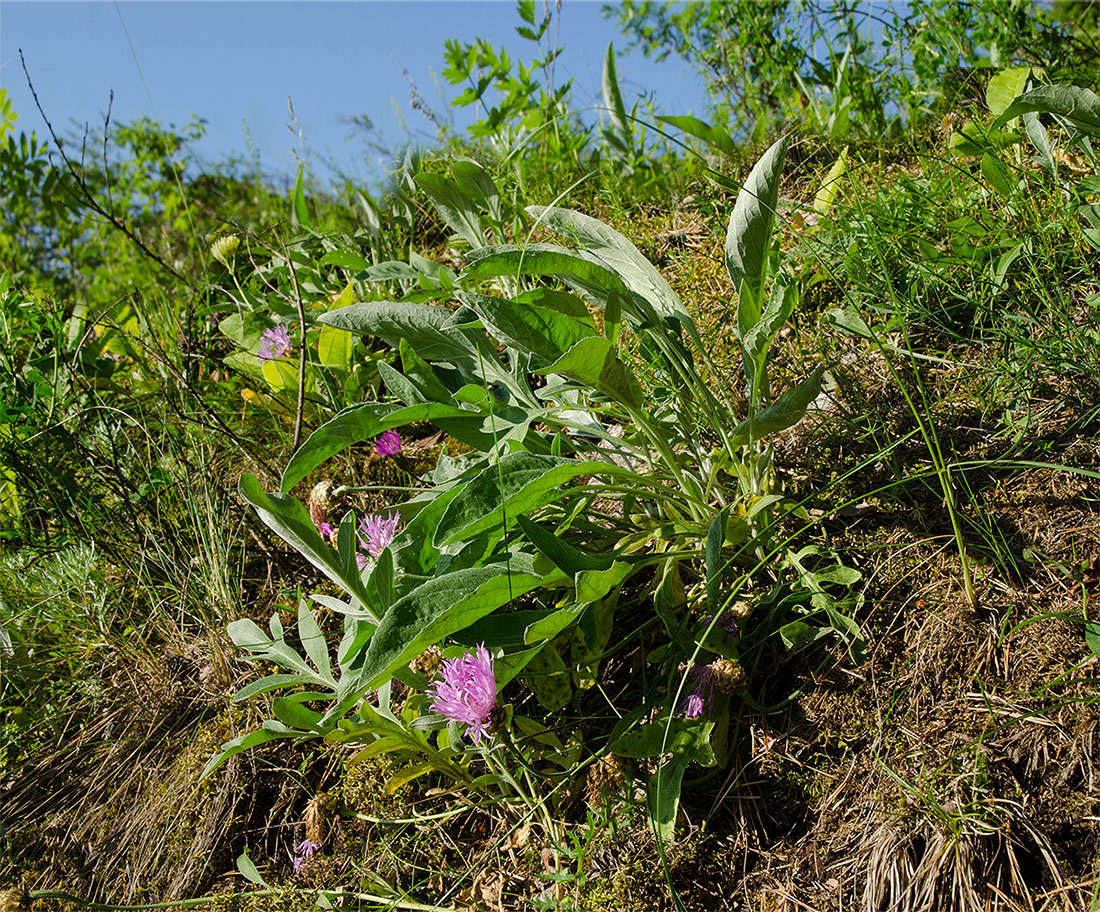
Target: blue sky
{"type": "Point", "coordinates": [235, 64]}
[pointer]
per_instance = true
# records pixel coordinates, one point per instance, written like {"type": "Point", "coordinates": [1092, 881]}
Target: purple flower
{"type": "Point", "coordinates": [388, 443]}
{"type": "Point", "coordinates": [726, 622]}
{"type": "Point", "coordinates": [467, 691]}
{"type": "Point", "coordinates": [328, 531]}
{"type": "Point", "coordinates": [700, 699]}
{"type": "Point", "coordinates": [274, 343]}
{"type": "Point", "coordinates": [375, 532]}
{"type": "Point", "coordinates": [303, 850]}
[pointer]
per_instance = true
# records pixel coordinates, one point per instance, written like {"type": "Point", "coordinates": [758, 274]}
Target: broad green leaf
{"type": "Point", "coordinates": [356, 425]}
{"type": "Point", "coordinates": [248, 870]}
{"type": "Point", "coordinates": [540, 260]}
{"type": "Point", "coordinates": [334, 347]}
{"type": "Point", "coordinates": [617, 254]}
{"type": "Point", "coordinates": [421, 325]}
{"type": "Point", "coordinates": [290, 711]}
{"type": "Point", "coordinates": [786, 411]}
{"type": "Point", "coordinates": [518, 484]}
{"type": "Point", "coordinates": [999, 175]}
{"type": "Point", "coordinates": [593, 361]}
{"type": "Point", "coordinates": [281, 373]}
{"type": "Point", "coordinates": [434, 610]}
{"type": "Point", "coordinates": [749, 236]}
{"type": "Point", "coordinates": [592, 585]}
{"type": "Point", "coordinates": [1080, 106]}
{"type": "Point", "coordinates": [477, 185]}
{"type": "Point", "coordinates": [346, 259]}
{"type": "Point", "coordinates": [1004, 86]}
{"type": "Point", "coordinates": [1037, 133]}
{"type": "Point", "coordinates": [529, 328]}
{"type": "Point", "coordinates": [717, 137]}
{"type": "Point", "coordinates": [453, 207]}
{"type": "Point", "coordinates": [288, 519]}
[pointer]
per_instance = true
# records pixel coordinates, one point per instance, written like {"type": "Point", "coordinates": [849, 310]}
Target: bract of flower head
{"type": "Point", "coordinates": [388, 443]}
{"type": "Point", "coordinates": [700, 699]}
{"type": "Point", "coordinates": [274, 343]}
{"type": "Point", "coordinates": [466, 691]}
{"type": "Point", "coordinates": [375, 533]}
{"type": "Point", "coordinates": [224, 248]}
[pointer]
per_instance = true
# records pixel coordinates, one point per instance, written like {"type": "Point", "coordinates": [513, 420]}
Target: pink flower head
{"type": "Point", "coordinates": [303, 850]}
{"type": "Point", "coordinates": [375, 533]}
{"type": "Point", "coordinates": [700, 699]}
{"type": "Point", "coordinates": [388, 443]}
{"type": "Point", "coordinates": [274, 343]}
{"type": "Point", "coordinates": [328, 532]}
{"type": "Point", "coordinates": [467, 691]}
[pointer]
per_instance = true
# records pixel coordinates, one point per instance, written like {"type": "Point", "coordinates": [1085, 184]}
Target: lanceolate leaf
{"type": "Point", "coordinates": [518, 484]}
{"type": "Point", "coordinates": [539, 259]}
{"type": "Point", "coordinates": [453, 206]}
{"type": "Point", "coordinates": [356, 425]}
{"type": "Point", "coordinates": [290, 521]}
{"type": "Point", "coordinates": [436, 609]}
{"type": "Point", "coordinates": [1079, 106]}
{"type": "Point", "coordinates": [593, 361]}
{"type": "Point", "coordinates": [529, 328]}
{"type": "Point", "coordinates": [618, 254]}
{"type": "Point", "coordinates": [613, 100]}
{"type": "Point", "coordinates": [421, 325]}
{"type": "Point", "coordinates": [786, 411]}
{"type": "Point", "coordinates": [748, 238]}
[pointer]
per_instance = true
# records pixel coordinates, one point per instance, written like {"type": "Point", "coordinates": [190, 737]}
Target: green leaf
{"type": "Point", "coordinates": [999, 175]}
{"type": "Point", "coordinates": [346, 260]}
{"type": "Point", "coordinates": [615, 253]}
{"type": "Point", "coordinates": [1079, 106]}
{"type": "Point", "coordinates": [717, 137]}
{"type": "Point", "coordinates": [248, 869]}
{"type": "Point", "coordinates": [453, 207]}
{"type": "Point", "coordinates": [786, 411]}
{"type": "Point", "coordinates": [300, 214]}
{"type": "Point", "coordinates": [749, 235]}
{"type": "Point", "coordinates": [823, 199]}
{"type": "Point", "coordinates": [567, 558]}
{"type": "Point", "coordinates": [268, 732]}
{"type": "Point", "coordinates": [436, 609]}
{"type": "Point", "coordinates": [529, 328]}
{"type": "Point", "coordinates": [518, 484]}
{"type": "Point", "coordinates": [1092, 637]}
{"type": "Point", "coordinates": [356, 425]}
{"type": "Point", "coordinates": [592, 360]}
{"type": "Point", "coordinates": [290, 521]}
{"type": "Point", "coordinates": [1004, 86]}
{"type": "Point", "coordinates": [613, 101]}
{"type": "Point", "coordinates": [716, 535]}
{"type": "Point", "coordinates": [334, 347]}
{"type": "Point", "coordinates": [421, 325]}
{"type": "Point", "coordinates": [313, 641]}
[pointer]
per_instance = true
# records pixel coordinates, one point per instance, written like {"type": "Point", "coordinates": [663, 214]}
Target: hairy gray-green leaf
{"type": "Point", "coordinates": [749, 235]}
{"type": "Point", "coordinates": [436, 609]}
{"type": "Point", "coordinates": [786, 411]}
{"type": "Point", "coordinates": [290, 521]}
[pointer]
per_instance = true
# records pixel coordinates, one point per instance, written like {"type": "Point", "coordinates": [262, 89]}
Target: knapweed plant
{"type": "Point", "coordinates": [607, 501]}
